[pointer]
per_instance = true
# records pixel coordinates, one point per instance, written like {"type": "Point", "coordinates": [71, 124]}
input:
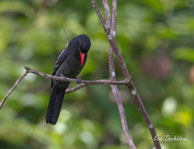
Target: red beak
{"type": "Point", "coordinates": [82, 56]}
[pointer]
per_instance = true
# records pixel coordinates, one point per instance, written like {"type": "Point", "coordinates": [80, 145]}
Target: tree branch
{"type": "Point", "coordinates": [135, 94]}
{"type": "Point", "coordinates": [125, 72]}
{"type": "Point", "coordinates": [114, 18]}
{"type": "Point", "coordinates": [87, 82]}
{"type": "Point", "coordinates": [119, 101]}
{"type": "Point", "coordinates": [111, 29]}
{"type": "Point", "coordinates": [83, 82]}
{"type": "Point", "coordinates": [13, 88]}
{"type": "Point", "coordinates": [107, 16]}
{"type": "Point", "coordinates": [99, 14]}
{"type": "Point", "coordinates": [69, 90]}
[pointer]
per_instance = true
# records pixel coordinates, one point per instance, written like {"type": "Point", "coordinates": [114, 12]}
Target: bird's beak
{"type": "Point", "coordinates": [82, 56]}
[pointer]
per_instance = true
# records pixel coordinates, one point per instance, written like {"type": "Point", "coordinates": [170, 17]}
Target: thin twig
{"type": "Point", "coordinates": [69, 90]}
{"type": "Point", "coordinates": [107, 16]}
{"type": "Point", "coordinates": [122, 116]}
{"type": "Point", "coordinates": [99, 14]}
{"type": "Point", "coordinates": [114, 18]}
{"type": "Point", "coordinates": [13, 88]}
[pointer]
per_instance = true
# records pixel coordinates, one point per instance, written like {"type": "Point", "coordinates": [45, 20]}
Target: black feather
{"type": "Point", "coordinates": [55, 103]}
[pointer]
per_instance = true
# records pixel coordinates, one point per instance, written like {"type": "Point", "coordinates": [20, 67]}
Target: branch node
{"type": "Point", "coordinates": [27, 69]}
{"type": "Point", "coordinates": [128, 81]}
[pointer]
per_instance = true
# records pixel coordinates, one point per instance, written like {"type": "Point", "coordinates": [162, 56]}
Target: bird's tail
{"type": "Point", "coordinates": [55, 103]}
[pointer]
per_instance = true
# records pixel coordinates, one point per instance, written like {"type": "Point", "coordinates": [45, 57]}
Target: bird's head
{"type": "Point", "coordinates": [82, 43]}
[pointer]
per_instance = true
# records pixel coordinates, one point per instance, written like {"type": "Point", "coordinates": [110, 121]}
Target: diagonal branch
{"type": "Point", "coordinates": [111, 28]}
{"type": "Point", "coordinates": [99, 14]}
{"type": "Point", "coordinates": [119, 101]}
{"type": "Point", "coordinates": [13, 88]}
{"type": "Point", "coordinates": [69, 90]}
{"type": "Point", "coordinates": [136, 96]}
{"type": "Point", "coordinates": [107, 16]}
{"type": "Point", "coordinates": [114, 18]}
{"type": "Point", "coordinates": [127, 75]}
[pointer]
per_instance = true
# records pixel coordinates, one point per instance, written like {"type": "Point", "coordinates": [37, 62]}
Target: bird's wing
{"type": "Point", "coordinates": [59, 61]}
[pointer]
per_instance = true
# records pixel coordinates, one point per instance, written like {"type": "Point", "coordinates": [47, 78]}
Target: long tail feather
{"type": "Point", "coordinates": [54, 106]}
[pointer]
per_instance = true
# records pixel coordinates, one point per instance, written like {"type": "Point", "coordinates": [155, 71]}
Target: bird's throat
{"type": "Point", "coordinates": [82, 56]}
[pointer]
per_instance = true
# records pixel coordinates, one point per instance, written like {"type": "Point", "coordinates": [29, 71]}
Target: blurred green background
{"type": "Point", "coordinates": [156, 38]}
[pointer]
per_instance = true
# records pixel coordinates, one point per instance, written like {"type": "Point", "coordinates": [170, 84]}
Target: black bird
{"type": "Point", "coordinates": [69, 64]}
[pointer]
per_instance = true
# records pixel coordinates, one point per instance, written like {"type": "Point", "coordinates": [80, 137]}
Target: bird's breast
{"type": "Point", "coordinates": [70, 67]}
